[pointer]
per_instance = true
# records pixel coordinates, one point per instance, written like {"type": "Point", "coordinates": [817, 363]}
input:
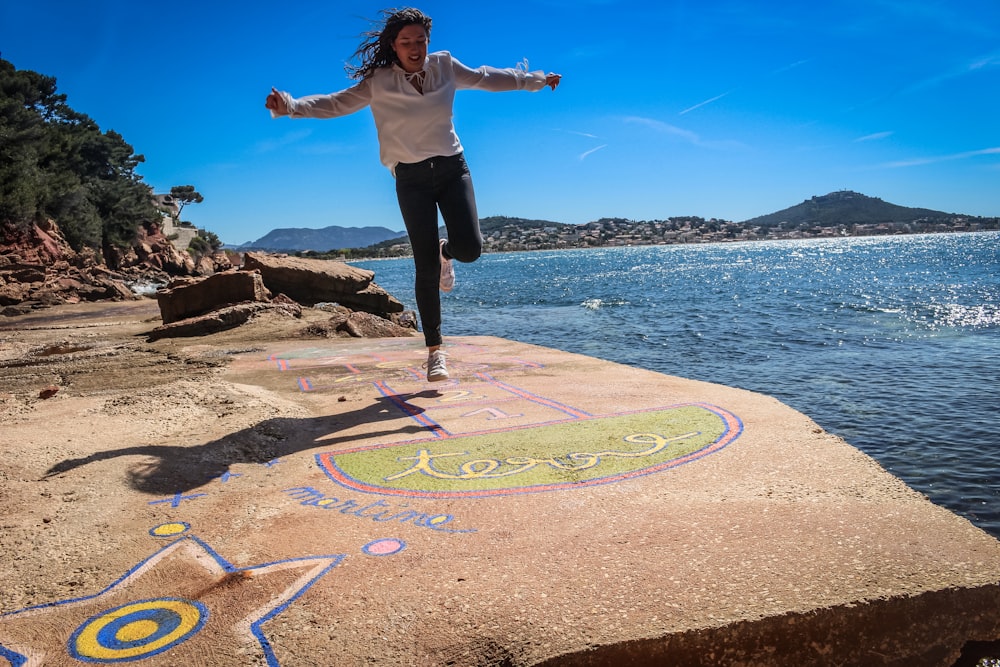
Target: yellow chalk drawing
{"type": "Point", "coordinates": [169, 529]}
{"type": "Point", "coordinates": [492, 468]}
{"type": "Point", "coordinates": [535, 458]}
{"type": "Point", "coordinates": [137, 630]}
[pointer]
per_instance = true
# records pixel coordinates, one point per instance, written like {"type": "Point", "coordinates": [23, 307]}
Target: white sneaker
{"type": "Point", "coordinates": [437, 370]}
{"type": "Point", "coordinates": [447, 271]}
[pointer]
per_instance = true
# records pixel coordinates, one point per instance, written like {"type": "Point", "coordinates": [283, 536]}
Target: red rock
{"type": "Point", "coordinates": [182, 300]}
{"type": "Point", "coordinates": [312, 281]}
{"type": "Point", "coordinates": [49, 391]}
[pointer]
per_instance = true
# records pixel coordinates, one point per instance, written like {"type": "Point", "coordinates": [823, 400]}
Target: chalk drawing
{"type": "Point", "coordinates": [378, 511]}
{"type": "Point", "coordinates": [176, 499]}
{"type": "Point", "coordinates": [511, 461]}
{"type": "Point", "coordinates": [384, 547]}
{"type": "Point", "coordinates": [172, 529]}
{"type": "Point", "coordinates": [486, 437]}
{"type": "Point", "coordinates": [318, 370]}
{"type": "Point", "coordinates": [182, 602]}
{"type": "Point", "coordinates": [137, 630]}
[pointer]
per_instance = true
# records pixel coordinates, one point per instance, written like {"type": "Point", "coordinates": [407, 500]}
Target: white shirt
{"type": "Point", "coordinates": [413, 126]}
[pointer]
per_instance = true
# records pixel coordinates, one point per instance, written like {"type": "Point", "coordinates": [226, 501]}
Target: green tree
{"type": "Point", "coordinates": [204, 243]}
{"type": "Point", "coordinates": [185, 194]}
{"type": "Point", "coordinates": [56, 163]}
{"type": "Point", "coordinates": [23, 97]}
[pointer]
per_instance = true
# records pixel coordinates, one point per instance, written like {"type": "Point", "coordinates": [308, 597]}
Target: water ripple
{"type": "Point", "coordinates": [892, 342]}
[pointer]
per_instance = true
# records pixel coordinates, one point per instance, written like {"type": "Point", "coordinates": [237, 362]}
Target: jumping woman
{"type": "Point", "coordinates": [411, 96]}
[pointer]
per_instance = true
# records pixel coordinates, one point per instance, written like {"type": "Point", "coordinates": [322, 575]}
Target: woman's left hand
{"type": "Point", "coordinates": [552, 80]}
{"type": "Point", "coordinates": [276, 103]}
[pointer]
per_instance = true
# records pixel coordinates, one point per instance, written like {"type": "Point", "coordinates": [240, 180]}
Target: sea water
{"type": "Point", "coordinates": [892, 343]}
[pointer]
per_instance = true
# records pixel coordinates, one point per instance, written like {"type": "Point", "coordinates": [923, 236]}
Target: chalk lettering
{"type": "Point", "coordinates": [308, 496]}
{"type": "Point", "coordinates": [423, 461]}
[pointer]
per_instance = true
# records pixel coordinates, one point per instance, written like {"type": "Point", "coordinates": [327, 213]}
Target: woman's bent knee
{"type": "Point", "coordinates": [466, 252]}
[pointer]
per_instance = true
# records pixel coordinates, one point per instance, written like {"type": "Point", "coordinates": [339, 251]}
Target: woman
{"type": "Point", "coordinates": [411, 95]}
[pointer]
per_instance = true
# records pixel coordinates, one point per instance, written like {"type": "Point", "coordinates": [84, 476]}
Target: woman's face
{"type": "Point", "coordinates": [410, 46]}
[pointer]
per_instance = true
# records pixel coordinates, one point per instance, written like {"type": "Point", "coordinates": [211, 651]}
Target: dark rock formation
{"type": "Point", "coordinates": [193, 307]}
{"type": "Point", "coordinates": [38, 268]}
{"type": "Point", "coordinates": [347, 323]}
{"type": "Point", "coordinates": [313, 281]}
{"type": "Point", "coordinates": [224, 318]}
{"type": "Point", "coordinates": [186, 297]}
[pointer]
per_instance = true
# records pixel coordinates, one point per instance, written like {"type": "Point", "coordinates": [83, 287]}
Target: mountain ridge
{"type": "Point", "coordinates": [300, 239]}
{"type": "Point", "coordinates": [842, 209]}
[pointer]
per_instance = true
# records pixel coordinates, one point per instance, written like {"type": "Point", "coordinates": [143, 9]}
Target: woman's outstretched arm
{"type": "Point", "coordinates": [333, 105]}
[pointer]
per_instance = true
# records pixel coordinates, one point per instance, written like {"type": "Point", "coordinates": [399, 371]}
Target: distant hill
{"type": "Point", "coordinates": [497, 222]}
{"type": "Point", "coordinates": [838, 213]}
{"type": "Point", "coordinates": [297, 239]}
{"type": "Point", "coordinates": [844, 208]}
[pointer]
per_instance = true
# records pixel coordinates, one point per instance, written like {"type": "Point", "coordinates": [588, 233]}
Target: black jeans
{"type": "Point", "coordinates": [422, 188]}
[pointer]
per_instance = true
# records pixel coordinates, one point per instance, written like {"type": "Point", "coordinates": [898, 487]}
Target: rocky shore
{"type": "Point", "coordinates": [38, 269]}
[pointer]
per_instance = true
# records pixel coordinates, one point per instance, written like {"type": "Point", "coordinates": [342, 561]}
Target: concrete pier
{"type": "Point", "coordinates": [540, 508]}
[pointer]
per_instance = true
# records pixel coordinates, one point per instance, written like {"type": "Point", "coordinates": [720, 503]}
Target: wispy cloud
{"type": "Point", "coordinates": [873, 137]}
{"type": "Point", "coordinates": [587, 135]}
{"type": "Point", "coordinates": [288, 139]}
{"type": "Point", "coordinates": [665, 128]}
{"type": "Point", "coordinates": [583, 156]}
{"type": "Point", "coordinates": [680, 133]}
{"type": "Point", "coordinates": [916, 162]}
{"type": "Point", "coordinates": [780, 70]}
{"type": "Point", "coordinates": [971, 67]}
{"type": "Point", "coordinates": [708, 101]}
{"type": "Point", "coordinates": [797, 63]}
{"type": "Point", "coordinates": [991, 60]}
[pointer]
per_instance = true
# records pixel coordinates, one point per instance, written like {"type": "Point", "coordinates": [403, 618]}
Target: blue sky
{"type": "Point", "coordinates": [727, 109]}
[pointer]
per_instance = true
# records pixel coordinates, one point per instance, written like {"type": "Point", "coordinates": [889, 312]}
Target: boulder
{"type": "Point", "coordinates": [222, 319]}
{"type": "Point", "coordinates": [346, 323]}
{"type": "Point", "coordinates": [313, 281]}
{"type": "Point", "coordinates": [186, 298]}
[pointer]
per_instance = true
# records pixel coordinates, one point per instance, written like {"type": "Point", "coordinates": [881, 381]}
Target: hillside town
{"type": "Point", "coordinates": [515, 234]}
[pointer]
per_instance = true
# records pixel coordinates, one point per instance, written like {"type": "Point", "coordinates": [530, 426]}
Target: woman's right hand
{"type": "Point", "coordinates": [276, 103]}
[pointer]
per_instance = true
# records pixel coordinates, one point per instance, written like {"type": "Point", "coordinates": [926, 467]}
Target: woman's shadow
{"type": "Point", "coordinates": [171, 469]}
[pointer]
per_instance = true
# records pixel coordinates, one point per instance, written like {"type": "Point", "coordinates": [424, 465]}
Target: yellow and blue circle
{"type": "Point", "coordinates": [170, 529]}
{"type": "Point", "coordinates": [137, 630]}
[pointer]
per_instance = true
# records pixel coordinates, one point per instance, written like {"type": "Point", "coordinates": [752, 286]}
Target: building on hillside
{"type": "Point", "coordinates": [180, 233]}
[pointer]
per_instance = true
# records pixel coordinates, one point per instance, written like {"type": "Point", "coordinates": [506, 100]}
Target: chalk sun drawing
{"type": "Point", "coordinates": [582, 451]}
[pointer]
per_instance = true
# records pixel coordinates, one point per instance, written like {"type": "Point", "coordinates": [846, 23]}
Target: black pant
{"type": "Point", "coordinates": [422, 188]}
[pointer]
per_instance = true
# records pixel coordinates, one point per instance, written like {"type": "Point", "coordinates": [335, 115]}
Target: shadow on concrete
{"type": "Point", "coordinates": [171, 469]}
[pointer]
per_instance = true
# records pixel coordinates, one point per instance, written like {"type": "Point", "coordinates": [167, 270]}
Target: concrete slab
{"type": "Point", "coordinates": [541, 508]}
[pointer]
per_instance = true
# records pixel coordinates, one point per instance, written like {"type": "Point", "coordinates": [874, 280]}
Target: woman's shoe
{"type": "Point", "coordinates": [447, 271]}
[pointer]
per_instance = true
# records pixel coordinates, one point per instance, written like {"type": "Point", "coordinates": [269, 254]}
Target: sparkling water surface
{"type": "Point", "coordinates": [892, 343]}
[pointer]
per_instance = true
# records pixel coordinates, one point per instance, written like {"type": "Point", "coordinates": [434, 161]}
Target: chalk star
{"type": "Point", "coordinates": [226, 476]}
{"type": "Point", "coordinates": [181, 606]}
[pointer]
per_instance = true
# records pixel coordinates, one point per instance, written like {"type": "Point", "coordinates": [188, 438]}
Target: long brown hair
{"type": "Point", "coordinates": [376, 51]}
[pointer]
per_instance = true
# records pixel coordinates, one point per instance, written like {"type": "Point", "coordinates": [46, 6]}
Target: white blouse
{"type": "Point", "coordinates": [414, 126]}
